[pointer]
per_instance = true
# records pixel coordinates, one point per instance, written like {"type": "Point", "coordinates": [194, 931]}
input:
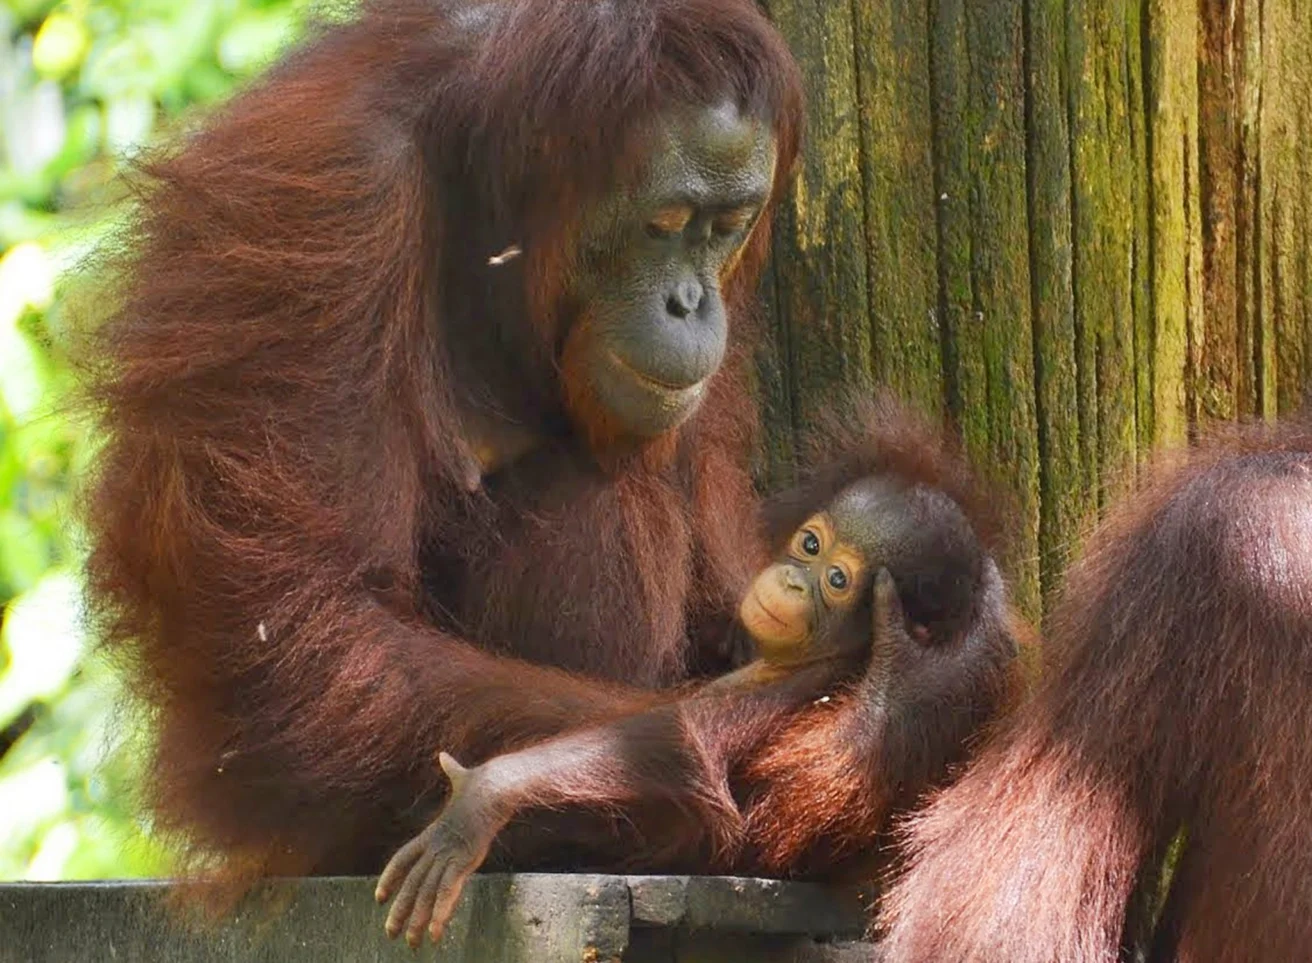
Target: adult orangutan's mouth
{"type": "Point", "coordinates": [657, 384]}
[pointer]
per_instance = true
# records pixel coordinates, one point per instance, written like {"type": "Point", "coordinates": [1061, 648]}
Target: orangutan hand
{"type": "Point", "coordinates": [428, 873]}
{"type": "Point", "coordinates": [891, 638]}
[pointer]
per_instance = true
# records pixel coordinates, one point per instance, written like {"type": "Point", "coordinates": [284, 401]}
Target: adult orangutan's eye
{"type": "Point", "coordinates": [837, 579]}
{"type": "Point", "coordinates": [731, 222]}
{"type": "Point", "coordinates": [810, 543]}
{"type": "Point", "coordinates": [669, 222]}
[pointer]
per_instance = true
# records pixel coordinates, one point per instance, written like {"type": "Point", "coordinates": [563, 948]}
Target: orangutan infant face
{"type": "Point", "coordinates": [816, 599]}
{"type": "Point", "coordinates": [652, 329]}
{"type": "Point", "coordinates": [825, 571]}
{"type": "Point", "coordinates": [792, 601]}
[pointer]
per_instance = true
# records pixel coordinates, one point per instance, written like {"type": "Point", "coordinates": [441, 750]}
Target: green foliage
{"type": "Point", "coordinates": [82, 85]}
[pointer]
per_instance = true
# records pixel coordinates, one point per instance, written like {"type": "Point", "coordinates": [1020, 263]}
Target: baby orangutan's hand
{"type": "Point", "coordinates": [431, 869]}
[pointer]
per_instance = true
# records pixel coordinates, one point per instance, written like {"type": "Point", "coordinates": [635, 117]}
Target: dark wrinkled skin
{"type": "Point", "coordinates": [428, 873]}
{"type": "Point", "coordinates": [656, 323]}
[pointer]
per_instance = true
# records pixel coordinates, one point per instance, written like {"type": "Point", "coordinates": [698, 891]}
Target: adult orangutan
{"type": "Point", "coordinates": [422, 410]}
{"type": "Point", "coordinates": [1175, 705]}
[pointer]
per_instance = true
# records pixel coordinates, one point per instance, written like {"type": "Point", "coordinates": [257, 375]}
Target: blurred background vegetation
{"type": "Point", "coordinates": [82, 86]}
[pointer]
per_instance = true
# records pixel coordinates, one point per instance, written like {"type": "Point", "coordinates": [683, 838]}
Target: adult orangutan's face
{"type": "Point", "coordinates": [652, 329]}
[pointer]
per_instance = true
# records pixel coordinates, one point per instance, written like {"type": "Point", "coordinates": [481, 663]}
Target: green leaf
{"type": "Point", "coordinates": [30, 11]}
{"type": "Point", "coordinates": [102, 76]}
{"type": "Point", "coordinates": [126, 66]}
{"type": "Point", "coordinates": [129, 120]}
{"type": "Point", "coordinates": [35, 795]}
{"type": "Point", "coordinates": [256, 38]}
{"type": "Point", "coordinates": [60, 45]}
{"type": "Point", "coordinates": [19, 223]}
{"type": "Point", "coordinates": [24, 554]}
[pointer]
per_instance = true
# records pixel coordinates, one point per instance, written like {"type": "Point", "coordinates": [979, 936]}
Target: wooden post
{"type": "Point", "coordinates": [1081, 228]}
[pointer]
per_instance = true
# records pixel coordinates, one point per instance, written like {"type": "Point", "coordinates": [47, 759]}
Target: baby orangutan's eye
{"type": "Point", "coordinates": [810, 543]}
{"type": "Point", "coordinates": [837, 579]}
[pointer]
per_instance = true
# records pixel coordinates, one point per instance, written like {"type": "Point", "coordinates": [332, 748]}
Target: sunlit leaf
{"type": "Point", "coordinates": [43, 635]}
{"type": "Point", "coordinates": [126, 66]}
{"type": "Point", "coordinates": [33, 126]}
{"type": "Point", "coordinates": [206, 83]}
{"type": "Point", "coordinates": [27, 279]}
{"type": "Point", "coordinates": [29, 10]}
{"type": "Point", "coordinates": [24, 556]}
{"type": "Point", "coordinates": [19, 223]}
{"type": "Point", "coordinates": [60, 45]}
{"type": "Point", "coordinates": [128, 122]}
{"type": "Point", "coordinates": [33, 795]}
{"type": "Point", "coordinates": [83, 82]}
{"type": "Point", "coordinates": [256, 38]}
{"type": "Point", "coordinates": [81, 141]}
{"type": "Point", "coordinates": [57, 845]}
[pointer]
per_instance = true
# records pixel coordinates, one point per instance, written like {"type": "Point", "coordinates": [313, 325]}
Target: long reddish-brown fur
{"type": "Point", "coordinates": [1174, 704]}
{"type": "Point", "coordinates": [760, 777]}
{"type": "Point", "coordinates": [283, 544]}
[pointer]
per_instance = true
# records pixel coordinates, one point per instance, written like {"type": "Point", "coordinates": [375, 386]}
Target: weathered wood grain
{"type": "Point", "coordinates": [983, 253]}
{"type": "Point", "coordinates": [1064, 490]}
{"type": "Point", "coordinates": [1175, 229]}
{"type": "Point", "coordinates": [892, 61]}
{"type": "Point", "coordinates": [1101, 33]}
{"type": "Point", "coordinates": [1220, 94]}
{"type": "Point", "coordinates": [821, 284]}
{"type": "Point", "coordinates": [1083, 227]}
{"type": "Point", "coordinates": [506, 918]}
{"type": "Point", "coordinates": [1283, 239]}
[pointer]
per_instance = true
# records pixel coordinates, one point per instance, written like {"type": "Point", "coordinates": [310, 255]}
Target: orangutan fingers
{"type": "Point", "coordinates": [425, 898]}
{"type": "Point", "coordinates": [404, 904]}
{"type": "Point", "coordinates": [456, 773]}
{"type": "Point", "coordinates": [889, 619]}
{"type": "Point", "coordinates": [398, 866]}
{"type": "Point", "coordinates": [448, 894]}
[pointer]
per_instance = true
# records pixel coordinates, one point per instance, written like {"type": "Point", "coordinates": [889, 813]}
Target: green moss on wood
{"type": "Point", "coordinates": [1103, 175]}
{"type": "Point", "coordinates": [1176, 237]}
{"type": "Point", "coordinates": [1285, 232]}
{"type": "Point", "coordinates": [892, 61]}
{"type": "Point", "coordinates": [820, 254]}
{"type": "Point", "coordinates": [1086, 225]}
{"type": "Point", "coordinates": [1064, 495]}
{"type": "Point", "coordinates": [979, 103]}
{"type": "Point", "coordinates": [1220, 83]}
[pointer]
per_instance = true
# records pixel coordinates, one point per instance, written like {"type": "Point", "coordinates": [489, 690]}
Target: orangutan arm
{"type": "Point", "coordinates": [676, 754]}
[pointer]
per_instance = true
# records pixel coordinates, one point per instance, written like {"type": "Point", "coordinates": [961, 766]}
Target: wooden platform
{"type": "Point", "coordinates": [527, 918]}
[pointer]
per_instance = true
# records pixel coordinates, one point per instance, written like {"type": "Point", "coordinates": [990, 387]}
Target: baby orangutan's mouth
{"type": "Point", "coordinates": [768, 627]}
{"type": "Point", "coordinates": [754, 599]}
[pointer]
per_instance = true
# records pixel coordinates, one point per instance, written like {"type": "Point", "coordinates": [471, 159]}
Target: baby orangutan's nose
{"type": "Point", "coordinates": [793, 581]}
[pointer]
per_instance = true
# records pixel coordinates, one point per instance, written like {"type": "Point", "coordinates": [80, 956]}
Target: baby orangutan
{"type": "Point", "coordinates": [888, 578]}
{"type": "Point", "coordinates": [802, 607]}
